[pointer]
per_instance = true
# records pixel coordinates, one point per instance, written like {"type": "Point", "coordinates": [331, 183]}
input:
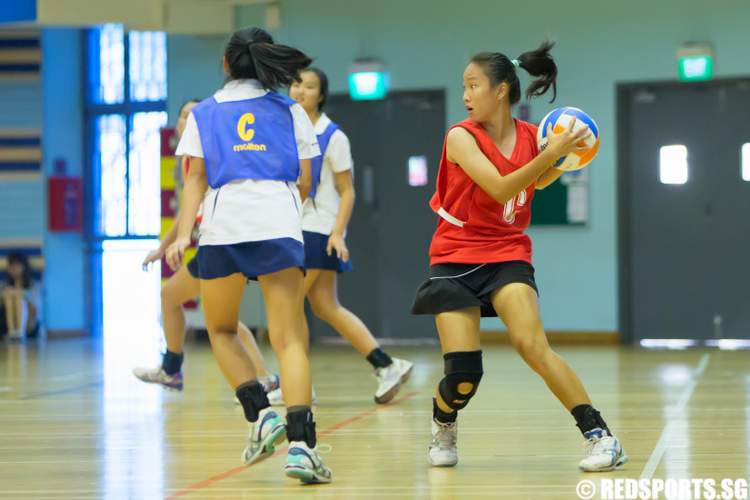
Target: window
{"type": "Point", "coordinates": [106, 57]}
{"type": "Point", "coordinates": [125, 108]}
{"type": "Point", "coordinates": [111, 164]}
{"type": "Point", "coordinates": [144, 187]}
{"type": "Point", "coordinates": [673, 164]}
{"type": "Point", "coordinates": [417, 170]}
{"type": "Point", "coordinates": [126, 105]}
{"type": "Point", "coordinates": [148, 66]}
{"type": "Point", "coordinates": [745, 161]}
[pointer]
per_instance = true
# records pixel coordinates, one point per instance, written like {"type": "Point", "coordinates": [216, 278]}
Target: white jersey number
{"type": "Point", "coordinates": [512, 206]}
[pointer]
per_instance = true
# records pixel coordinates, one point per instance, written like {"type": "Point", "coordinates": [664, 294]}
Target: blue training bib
{"type": "Point", "coordinates": [317, 163]}
{"type": "Point", "coordinates": [248, 139]}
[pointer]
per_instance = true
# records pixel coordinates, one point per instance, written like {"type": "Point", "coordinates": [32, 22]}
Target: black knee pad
{"type": "Point", "coordinates": [460, 367]}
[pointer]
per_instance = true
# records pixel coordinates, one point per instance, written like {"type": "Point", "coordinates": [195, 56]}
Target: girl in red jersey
{"type": "Point", "coordinates": [480, 256]}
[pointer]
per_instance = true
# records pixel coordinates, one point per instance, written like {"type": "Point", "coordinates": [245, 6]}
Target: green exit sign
{"type": "Point", "coordinates": [368, 80]}
{"type": "Point", "coordinates": [368, 85]}
{"type": "Point", "coordinates": [696, 68]}
{"type": "Point", "coordinates": [695, 61]}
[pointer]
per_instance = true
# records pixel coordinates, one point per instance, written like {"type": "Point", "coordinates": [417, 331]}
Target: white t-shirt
{"type": "Point", "coordinates": [320, 217]}
{"type": "Point", "coordinates": [251, 210]}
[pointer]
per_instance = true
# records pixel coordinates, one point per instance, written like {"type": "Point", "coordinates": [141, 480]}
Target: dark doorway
{"type": "Point", "coordinates": [684, 236]}
{"type": "Point", "coordinates": [392, 224]}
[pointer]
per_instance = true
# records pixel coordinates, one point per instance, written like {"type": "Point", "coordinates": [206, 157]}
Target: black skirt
{"type": "Point", "coordinates": [457, 286]}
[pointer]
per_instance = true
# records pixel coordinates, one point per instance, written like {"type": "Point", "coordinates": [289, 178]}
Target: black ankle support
{"type": "Point", "coordinates": [171, 363]}
{"type": "Point", "coordinates": [587, 418]}
{"type": "Point", "coordinates": [441, 416]}
{"type": "Point", "coordinates": [378, 358]}
{"type": "Point", "coordinates": [253, 399]}
{"type": "Point", "coordinates": [300, 425]}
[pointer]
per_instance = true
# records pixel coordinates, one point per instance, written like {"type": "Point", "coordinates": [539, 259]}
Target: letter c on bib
{"type": "Point", "coordinates": [244, 130]}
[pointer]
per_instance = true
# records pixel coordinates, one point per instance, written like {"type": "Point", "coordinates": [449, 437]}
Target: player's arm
{"type": "Point", "coordinates": [344, 182]}
{"type": "Point", "coordinates": [304, 184]}
{"type": "Point", "coordinates": [171, 234]}
{"type": "Point", "coordinates": [548, 177]}
{"type": "Point", "coordinates": [196, 185]}
{"type": "Point", "coordinates": [463, 150]}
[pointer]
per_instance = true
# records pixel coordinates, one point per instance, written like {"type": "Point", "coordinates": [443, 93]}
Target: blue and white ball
{"type": "Point", "coordinates": [560, 119]}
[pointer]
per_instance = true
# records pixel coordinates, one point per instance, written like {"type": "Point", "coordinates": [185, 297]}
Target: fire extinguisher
{"type": "Point", "coordinates": [70, 205]}
{"type": "Point", "coordinates": [65, 200]}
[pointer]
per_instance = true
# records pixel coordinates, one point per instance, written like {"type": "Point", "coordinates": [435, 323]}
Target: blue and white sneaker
{"type": "Point", "coordinates": [305, 464]}
{"type": "Point", "coordinates": [268, 431]}
{"type": "Point", "coordinates": [603, 452]}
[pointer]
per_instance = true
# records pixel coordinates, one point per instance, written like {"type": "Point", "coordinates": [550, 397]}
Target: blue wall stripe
{"type": "Point", "coordinates": [31, 251]}
{"type": "Point", "coordinates": [19, 141]}
{"type": "Point", "coordinates": [19, 68]}
{"type": "Point", "coordinates": [19, 43]}
{"type": "Point", "coordinates": [20, 167]}
{"type": "Point", "coordinates": [37, 275]}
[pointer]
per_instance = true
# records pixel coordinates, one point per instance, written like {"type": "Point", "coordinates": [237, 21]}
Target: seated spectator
{"type": "Point", "coordinates": [20, 305]}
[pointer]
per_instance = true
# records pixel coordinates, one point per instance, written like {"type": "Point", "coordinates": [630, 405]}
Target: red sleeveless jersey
{"type": "Point", "coordinates": [474, 228]}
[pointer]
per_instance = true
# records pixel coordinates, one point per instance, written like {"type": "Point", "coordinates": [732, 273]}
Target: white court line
{"type": "Point", "coordinates": [672, 413]}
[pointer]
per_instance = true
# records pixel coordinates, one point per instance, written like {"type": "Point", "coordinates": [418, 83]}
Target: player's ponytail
{"type": "Point", "coordinates": [252, 53]}
{"type": "Point", "coordinates": [539, 63]}
{"type": "Point", "coordinates": [500, 68]}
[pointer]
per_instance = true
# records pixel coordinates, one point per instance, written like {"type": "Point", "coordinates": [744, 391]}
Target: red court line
{"type": "Point", "coordinates": [330, 430]}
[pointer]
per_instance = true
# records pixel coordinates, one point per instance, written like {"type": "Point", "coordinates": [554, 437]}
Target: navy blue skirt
{"type": "Point", "coordinates": [316, 256]}
{"type": "Point", "coordinates": [252, 258]}
{"type": "Point", "coordinates": [192, 267]}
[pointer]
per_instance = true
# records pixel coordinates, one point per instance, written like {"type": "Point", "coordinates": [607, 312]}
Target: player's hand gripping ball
{"type": "Point", "coordinates": [560, 119]}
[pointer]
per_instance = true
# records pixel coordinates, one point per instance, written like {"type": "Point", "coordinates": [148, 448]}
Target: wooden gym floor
{"type": "Point", "coordinates": [75, 424]}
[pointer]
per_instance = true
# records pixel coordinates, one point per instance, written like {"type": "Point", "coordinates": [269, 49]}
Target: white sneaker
{"type": "Point", "coordinates": [159, 376]}
{"type": "Point", "coordinates": [443, 450]}
{"type": "Point", "coordinates": [268, 431]}
{"type": "Point", "coordinates": [18, 336]}
{"type": "Point", "coordinates": [276, 398]}
{"type": "Point", "coordinates": [603, 452]}
{"type": "Point", "coordinates": [391, 378]}
{"type": "Point", "coordinates": [304, 463]}
{"type": "Point", "coordinates": [269, 383]}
